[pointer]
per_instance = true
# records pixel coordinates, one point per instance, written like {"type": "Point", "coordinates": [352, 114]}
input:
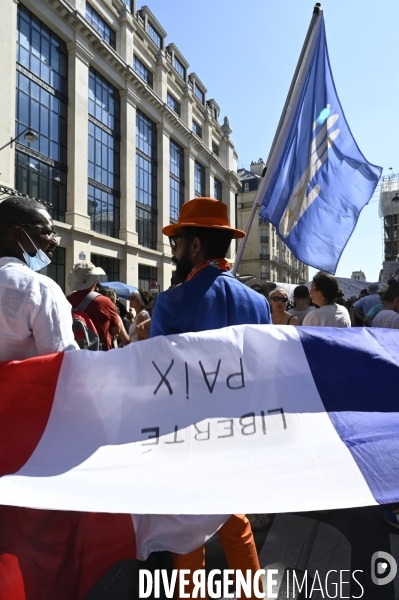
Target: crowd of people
{"type": "Point", "coordinates": [36, 318]}
{"type": "Point", "coordinates": [325, 305]}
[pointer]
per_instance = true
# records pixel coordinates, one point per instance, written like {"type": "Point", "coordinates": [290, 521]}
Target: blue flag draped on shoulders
{"type": "Point", "coordinates": [318, 181]}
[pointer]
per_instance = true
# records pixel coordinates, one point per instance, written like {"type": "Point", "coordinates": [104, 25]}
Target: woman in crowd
{"type": "Point", "coordinates": [141, 301]}
{"type": "Point", "coordinates": [389, 316]}
{"type": "Point", "coordinates": [278, 301]}
{"type": "Point", "coordinates": [323, 291]}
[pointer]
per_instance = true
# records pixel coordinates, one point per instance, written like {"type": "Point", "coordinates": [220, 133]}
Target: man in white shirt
{"type": "Point", "coordinates": [323, 291]}
{"type": "Point", "coordinates": [35, 316]}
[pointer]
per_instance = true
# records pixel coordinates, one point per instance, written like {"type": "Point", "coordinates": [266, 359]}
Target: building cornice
{"type": "Point", "coordinates": [111, 57]}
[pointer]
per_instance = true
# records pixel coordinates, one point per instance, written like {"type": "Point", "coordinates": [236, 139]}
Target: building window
{"type": "Point", "coordinates": [146, 276]}
{"type": "Point", "coordinates": [154, 35]}
{"type": "Point", "coordinates": [199, 93]}
{"type": "Point", "coordinates": [176, 179]}
{"type": "Point", "coordinates": [129, 4]}
{"type": "Point", "coordinates": [217, 189]}
{"type": "Point", "coordinates": [179, 68]}
{"type": "Point", "coordinates": [110, 266]}
{"type": "Point", "coordinates": [40, 51]}
{"type": "Point", "coordinates": [104, 156]}
{"type": "Point", "coordinates": [197, 129]}
{"type": "Point", "coordinates": [41, 103]}
{"type": "Point", "coordinates": [215, 148]}
{"type": "Point", "coordinates": [173, 104]}
{"type": "Point", "coordinates": [146, 180]}
{"type": "Point", "coordinates": [199, 179]}
{"type": "Point", "coordinates": [106, 32]}
{"type": "Point", "coordinates": [215, 114]}
{"type": "Point", "coordinates": [142, 71]}
{"type": "Point", "coordinates": [56, 269]}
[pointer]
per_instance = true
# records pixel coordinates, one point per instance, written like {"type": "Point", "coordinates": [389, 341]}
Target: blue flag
{"type": "Point", "coordinates": [318, 180]}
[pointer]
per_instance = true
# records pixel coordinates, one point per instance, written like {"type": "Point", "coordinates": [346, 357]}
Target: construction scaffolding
{"type": "Point", "coordinates": [389, 211]}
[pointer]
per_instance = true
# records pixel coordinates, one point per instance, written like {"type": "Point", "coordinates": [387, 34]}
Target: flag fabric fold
{"type": "Point", "coordinates": [318, 181]}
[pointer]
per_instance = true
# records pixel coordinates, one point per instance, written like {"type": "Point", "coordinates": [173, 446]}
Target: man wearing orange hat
{"type": "Point", "coordinates": [210, 297]}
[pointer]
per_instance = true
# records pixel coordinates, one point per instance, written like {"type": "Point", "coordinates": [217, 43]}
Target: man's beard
{"type": "Point", "coordinates": [183, 266]}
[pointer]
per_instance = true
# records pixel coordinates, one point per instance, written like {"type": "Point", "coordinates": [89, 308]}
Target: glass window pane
{"type": "Point", "coordinates": [44, 120]}
{"type": "Point", "coordinates": [23, 108]}
{"type": "Point", "coordinates": [24, 33]}
{"type": "Point", "coordinates": [35, 65]}
{"type": "Point", "coordinates": [23, 57]}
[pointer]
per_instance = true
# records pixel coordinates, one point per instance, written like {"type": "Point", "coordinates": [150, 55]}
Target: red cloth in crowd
{"type": "Point", "coordinates": [101, 311]}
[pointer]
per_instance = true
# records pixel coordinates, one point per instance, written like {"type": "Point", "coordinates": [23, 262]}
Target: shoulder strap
{"type": "Point", "coordinates": [288, 322]}
{"type": "Point", "coordinates": [88, 300]}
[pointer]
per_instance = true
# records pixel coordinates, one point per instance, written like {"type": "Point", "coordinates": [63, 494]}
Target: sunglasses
{"type": "Point", "coordinates": [173, 240]}
{"type": "Point", "coordinates": [279, 298]}
{"type": "Point", "coordinates": [43, 230]}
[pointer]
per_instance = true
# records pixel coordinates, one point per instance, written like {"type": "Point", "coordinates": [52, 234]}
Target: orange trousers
{"type": "Point", "coordinates": [238, 544]}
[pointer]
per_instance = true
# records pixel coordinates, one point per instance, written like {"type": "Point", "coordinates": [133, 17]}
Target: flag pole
{"type": "Point", "coordinates": [261, 190]}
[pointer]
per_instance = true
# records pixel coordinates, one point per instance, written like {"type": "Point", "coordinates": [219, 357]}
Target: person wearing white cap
{"type": "Point", "coordinates": [101, 310]}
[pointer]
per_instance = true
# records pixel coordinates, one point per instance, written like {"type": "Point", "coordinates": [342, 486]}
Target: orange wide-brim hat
{"type": "Point", "coordinates": [203, 212]}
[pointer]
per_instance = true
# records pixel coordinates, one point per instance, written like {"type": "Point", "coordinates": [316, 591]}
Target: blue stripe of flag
{"type": "Point", "coordinates": [356, 373]}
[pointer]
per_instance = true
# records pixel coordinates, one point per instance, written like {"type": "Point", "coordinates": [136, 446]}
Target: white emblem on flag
{"type": "Point", "coordinates": [300, 199]}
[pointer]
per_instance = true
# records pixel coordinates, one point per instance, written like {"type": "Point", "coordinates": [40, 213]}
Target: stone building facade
{"type": "Point", "coordinates": [265, 255]}
{"type": "Point", "coordinates": [359, 275]}
{"type": "Point", "coordinates": [126, 132]}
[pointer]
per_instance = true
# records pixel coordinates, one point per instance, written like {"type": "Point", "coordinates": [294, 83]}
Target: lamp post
{"type": "Point", "coordinates": [29, 135]}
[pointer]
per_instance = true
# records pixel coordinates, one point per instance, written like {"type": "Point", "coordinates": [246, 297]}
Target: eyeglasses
{"type": "Point", "coordinates": [173, 240]}
{"type": "Point", "coordinates": [43, 230]}
{"type": "Point", "coordinates": [278, 298]}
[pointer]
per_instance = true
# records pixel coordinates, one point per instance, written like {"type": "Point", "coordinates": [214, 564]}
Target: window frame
{"type": "Point", "coordinates": [143, 71]}
{"type": "Point", "coordinates": [180, 69]}
{"type": "Point", "coordinates": [146, 180]}
{"type": "Point", "coordinates": [41, 103]}
{"type": "Point", "coordinates": [173, 104]}
{"type": "Point", "coordinates": [217, 189]}
{"type": "Point", "coordinates": [103, 162]}
{"type": "Point", "coordinates": [199, 182]}
{"type": "Point", "coordinates": [176, 181]}
{"type": "Point", "coordinates": [154, 35]}
{"type": "Point", "coordinates": [196, 128]}
{"type": "Point", "coordinates": [100, 25]}
{"type": "Point", "coordinates": [199, 93]}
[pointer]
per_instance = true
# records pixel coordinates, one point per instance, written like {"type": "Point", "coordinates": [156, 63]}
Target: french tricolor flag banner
{"type": "Point", "coordinates": [285, 419]}
{"type": "Point", "coordinates": [247, 419]}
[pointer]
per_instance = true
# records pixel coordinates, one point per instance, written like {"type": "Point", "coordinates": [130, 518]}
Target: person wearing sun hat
{"type": "Point", "coordinates": [82, 281]}
{"type": "Point", "coordinates": [210, 297]}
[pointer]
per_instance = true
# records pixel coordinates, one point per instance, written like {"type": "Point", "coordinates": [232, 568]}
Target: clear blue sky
{"type": "Point", "coordinates": [245, 54]}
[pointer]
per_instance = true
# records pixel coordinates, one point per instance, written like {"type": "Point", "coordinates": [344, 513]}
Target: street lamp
{"type": "Point", "coordinates": [29, 135]}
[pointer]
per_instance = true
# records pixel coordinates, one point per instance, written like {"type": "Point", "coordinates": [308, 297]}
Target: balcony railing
{"type": "Point", "coordinates": [264, 256]}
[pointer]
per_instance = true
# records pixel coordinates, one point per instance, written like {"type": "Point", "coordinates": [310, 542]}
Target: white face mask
{"type": "Point", "coordinates": [37, 262]}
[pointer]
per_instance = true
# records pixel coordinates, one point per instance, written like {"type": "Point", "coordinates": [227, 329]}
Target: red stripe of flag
{"type": "Point", "coordinates": [27, 393]}
{"type": "Point", "coordinates": [44, 554]}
